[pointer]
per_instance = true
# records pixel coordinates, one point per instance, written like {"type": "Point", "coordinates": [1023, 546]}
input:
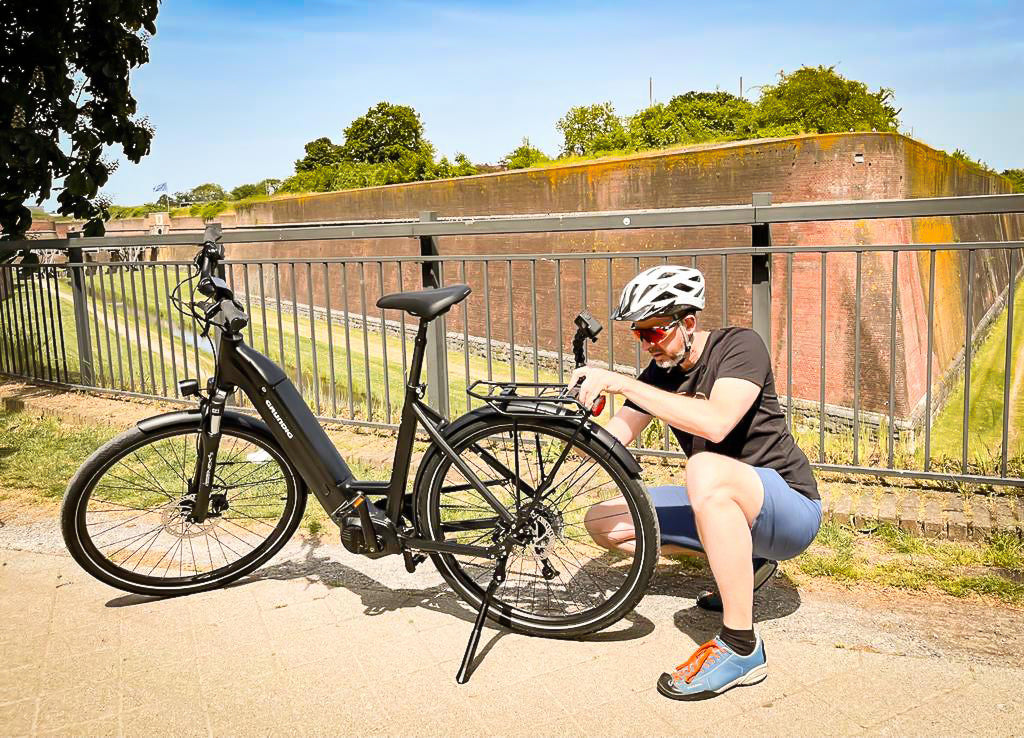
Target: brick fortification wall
{"type": "Point", "coordinates": [805, 168]}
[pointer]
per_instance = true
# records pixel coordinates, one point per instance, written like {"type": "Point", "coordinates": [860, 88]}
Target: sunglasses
{"type": "Point", "coordinates": [654, 334]}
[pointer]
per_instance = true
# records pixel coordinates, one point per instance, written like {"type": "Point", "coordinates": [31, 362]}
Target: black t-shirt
{"type": "Point", "coordinates": [761, 437]}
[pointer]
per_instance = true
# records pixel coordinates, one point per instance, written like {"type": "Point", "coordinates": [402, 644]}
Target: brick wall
{"type": "Point", "coordinates": [803, 168]}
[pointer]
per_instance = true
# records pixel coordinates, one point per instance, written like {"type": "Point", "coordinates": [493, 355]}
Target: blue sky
{"type": "Point", "coordinates": [235, 89]}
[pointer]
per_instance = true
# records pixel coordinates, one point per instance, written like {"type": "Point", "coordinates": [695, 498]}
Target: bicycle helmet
{"type": "Point", "coordinates": [661, 290]}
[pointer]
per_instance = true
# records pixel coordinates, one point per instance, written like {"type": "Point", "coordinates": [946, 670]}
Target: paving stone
{"type": "Point", "coordinates": [842, 509]}
{"type": "Point", "coordinates": [910, 514]}
{"type": "Point", "coordinates": [888, 509]}
{"type": "Point", "coordinates": [933, 521]}
{"type": "Point", "coordinates": [981, 519]}
{"type": "Point", "coordinates": [865, 510]}
{"type": "Point", "coordinates": [1002, 514]}
{"type": "Point", "coordinates": [80, 703]}
{"type": "Point", "coordinates": [957, 526]}
{"type": "Point", "coordinates": [16, 718]}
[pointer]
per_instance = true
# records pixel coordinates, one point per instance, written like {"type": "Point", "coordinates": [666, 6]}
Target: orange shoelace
{"type": "Point", "coordinates": [692, 666]}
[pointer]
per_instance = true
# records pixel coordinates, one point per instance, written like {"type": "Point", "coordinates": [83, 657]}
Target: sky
{"type": "Point", "coordinates": [234, 89]}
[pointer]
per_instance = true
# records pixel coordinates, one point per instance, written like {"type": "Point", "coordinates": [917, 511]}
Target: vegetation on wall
{"type": "Point", "coordinates": [1016, 177]}
{"type": "Point", "coordinates": [387, 144]}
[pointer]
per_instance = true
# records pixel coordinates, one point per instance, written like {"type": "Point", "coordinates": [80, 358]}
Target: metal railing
{"type": "Point", "coordinates": [110, 325]}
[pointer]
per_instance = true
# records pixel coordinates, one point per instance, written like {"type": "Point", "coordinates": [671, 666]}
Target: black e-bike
{"type": "Point", "coordinates": [504, 502]}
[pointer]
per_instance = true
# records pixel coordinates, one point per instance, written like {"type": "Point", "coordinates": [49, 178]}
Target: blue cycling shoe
{"type": "Point", "coordinates": [712, 669]}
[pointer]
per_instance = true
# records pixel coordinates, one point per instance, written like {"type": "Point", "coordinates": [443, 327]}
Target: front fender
{"type": "Point", "coordinates": [189, 418]}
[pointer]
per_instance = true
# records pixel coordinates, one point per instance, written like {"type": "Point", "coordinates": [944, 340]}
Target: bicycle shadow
{"type": "Point", "coordinates": [315, 565]}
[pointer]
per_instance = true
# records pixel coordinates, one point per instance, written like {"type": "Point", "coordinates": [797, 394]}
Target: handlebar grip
{"type": "Point", "coordinates": [235, 318]}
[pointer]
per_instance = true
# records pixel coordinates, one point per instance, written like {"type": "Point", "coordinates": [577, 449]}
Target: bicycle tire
{"type": "Point", "coordinates": [469, 579]}
{"type": "Point", "coordinates": [82, 542]}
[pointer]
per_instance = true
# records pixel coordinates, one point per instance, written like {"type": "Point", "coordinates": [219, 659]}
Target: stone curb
{"type": "Point", "coordinates": [932, 514]}
{"type": "Point", "coordinates": [928, 513]}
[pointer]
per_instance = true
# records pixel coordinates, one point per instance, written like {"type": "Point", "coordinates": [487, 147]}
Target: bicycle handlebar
{"type": "Point", "coordinates": [212, 286]}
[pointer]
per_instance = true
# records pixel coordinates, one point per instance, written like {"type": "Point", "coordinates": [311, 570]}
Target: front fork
{"type": "Point", "coordinates": [212, 412]}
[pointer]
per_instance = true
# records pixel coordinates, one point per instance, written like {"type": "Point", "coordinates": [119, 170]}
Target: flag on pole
{"type": "Point", "coordinates": [162, 187]}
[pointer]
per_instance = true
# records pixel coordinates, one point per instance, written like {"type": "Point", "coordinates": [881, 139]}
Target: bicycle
{"type": "Point", "coordinates": [191, 500]}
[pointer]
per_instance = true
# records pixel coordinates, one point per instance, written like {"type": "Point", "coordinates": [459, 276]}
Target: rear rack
{"type": "Point", "coordinates": [528, 397]}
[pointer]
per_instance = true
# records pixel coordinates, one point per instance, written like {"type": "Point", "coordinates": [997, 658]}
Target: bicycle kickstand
{"type": "Point", "coordinates": [474, 637]}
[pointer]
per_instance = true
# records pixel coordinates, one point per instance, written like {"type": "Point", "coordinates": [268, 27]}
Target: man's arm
{"type": "Point", "coordinates": [627, 424]}
{"type": "Point", "coordinates": [712, 418]}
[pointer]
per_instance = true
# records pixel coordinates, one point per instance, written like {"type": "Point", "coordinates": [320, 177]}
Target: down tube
{"type": "Point", "coordinates": [293, 424]}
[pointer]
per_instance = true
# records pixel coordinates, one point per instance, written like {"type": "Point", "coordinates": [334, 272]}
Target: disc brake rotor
{"type": "Point", "coordinates": [176, 523]}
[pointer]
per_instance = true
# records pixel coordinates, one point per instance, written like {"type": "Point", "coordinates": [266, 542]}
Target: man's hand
{"type": "Point", "coordinates": [596, 382]}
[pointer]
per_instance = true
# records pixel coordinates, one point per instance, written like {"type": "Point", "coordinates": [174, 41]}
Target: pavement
{"type": "Point", "coordinates": [321, 642]}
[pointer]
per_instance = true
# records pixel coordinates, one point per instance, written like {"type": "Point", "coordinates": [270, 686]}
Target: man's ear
{"type": "Point", "coordinates": [690, 322]}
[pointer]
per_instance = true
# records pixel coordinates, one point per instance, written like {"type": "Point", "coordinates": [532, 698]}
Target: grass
{"type": "Point", "coordinates": [985, 421]}
{"type": "Point", "coordinates": [39, 455]}
{"type": "Point", "coordinates": [890, 557]}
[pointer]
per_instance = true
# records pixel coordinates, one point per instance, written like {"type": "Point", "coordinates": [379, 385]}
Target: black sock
{"type": "Point", "coordinates": [741, 642]}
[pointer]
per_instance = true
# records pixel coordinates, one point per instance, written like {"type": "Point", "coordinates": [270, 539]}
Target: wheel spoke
{"type": "Point", "coordinates": [578, 576]}
{"type": "Point", "coordinates": [142, 540]}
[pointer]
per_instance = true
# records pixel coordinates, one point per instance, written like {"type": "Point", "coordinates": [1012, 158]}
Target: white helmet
{"type": "Point", "coordinates": [661, 290]}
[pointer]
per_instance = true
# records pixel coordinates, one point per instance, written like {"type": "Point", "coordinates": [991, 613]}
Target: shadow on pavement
{"type": "Point", "coordinates": [777, 599]}
{"type": "Point", "coordinates": [379, 598]}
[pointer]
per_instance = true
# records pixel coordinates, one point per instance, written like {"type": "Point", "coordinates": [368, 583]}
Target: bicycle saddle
{"type": "Point", "coordinates": [426, 304]}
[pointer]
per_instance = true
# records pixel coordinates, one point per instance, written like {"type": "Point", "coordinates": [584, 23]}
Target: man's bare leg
{"type": "Point", "coordinates": [726, 496]}
{"type": "Point", "coordinates": [611, 526]}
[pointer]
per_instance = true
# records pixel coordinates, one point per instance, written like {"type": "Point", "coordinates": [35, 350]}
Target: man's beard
{"type": "Point", "coordinates": [672, 359]}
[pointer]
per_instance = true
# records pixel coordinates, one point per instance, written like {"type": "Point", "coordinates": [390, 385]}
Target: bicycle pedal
{"type": "Point", "coordinates": [413, 560]}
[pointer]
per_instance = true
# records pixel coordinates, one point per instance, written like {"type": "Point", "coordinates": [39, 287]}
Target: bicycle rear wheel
{"type": "Point", "coordinates": [124, 516]}
{"type": "Point", "coordinates": [560, 582]}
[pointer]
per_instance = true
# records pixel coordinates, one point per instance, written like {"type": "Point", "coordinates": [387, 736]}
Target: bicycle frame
{"type": "Point", "coordinates": [321, 466]}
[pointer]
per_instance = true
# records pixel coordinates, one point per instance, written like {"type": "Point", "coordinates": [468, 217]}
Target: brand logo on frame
{"type": "Point", "coordinates": [277, 417]}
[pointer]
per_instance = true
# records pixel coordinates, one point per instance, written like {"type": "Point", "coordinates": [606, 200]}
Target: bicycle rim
{"type": "Point", "coordinates": [131, 520]}
{"type": "Point", "coordinates": [558, 576]}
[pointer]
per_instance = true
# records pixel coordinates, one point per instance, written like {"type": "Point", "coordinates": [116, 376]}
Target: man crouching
{"type": "Point", "coordinates": [749, 496]}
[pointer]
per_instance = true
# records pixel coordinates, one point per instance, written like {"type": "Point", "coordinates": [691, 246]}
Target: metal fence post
{"type": "Point", "coordinates": [85, 367]}
{"type": "Point", "coordinates": [437, 352]}
{"type": "Point", "coordinates": [761, 273]}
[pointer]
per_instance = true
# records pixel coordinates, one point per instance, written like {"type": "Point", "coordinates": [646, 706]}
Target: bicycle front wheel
{"type": "Point", "coordinates": [559, 580]}
{"type": "Point", "coordinates": [125, 513]}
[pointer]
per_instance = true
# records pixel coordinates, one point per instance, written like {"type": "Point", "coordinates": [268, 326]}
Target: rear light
{"type": "Point", "coordinates": [598, 405]}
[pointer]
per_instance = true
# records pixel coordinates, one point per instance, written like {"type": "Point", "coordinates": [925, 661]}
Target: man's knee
{"type": "Point", "coordinates": [610, 523]}
{"type": "Point", "coordinates": [707, 480]}
{"type": "Point", "coordinates": [716, 482]}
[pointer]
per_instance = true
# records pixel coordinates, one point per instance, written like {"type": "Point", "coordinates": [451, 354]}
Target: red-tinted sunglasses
{"type": "Point", "coordinates": [654, 334]}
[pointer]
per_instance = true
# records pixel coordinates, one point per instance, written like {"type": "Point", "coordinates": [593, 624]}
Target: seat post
{"type": "Point", "coordinates": [418, 351]}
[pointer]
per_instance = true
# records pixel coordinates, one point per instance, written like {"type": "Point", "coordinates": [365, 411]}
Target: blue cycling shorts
{"type": "Point", "coordinates": [784, 528]}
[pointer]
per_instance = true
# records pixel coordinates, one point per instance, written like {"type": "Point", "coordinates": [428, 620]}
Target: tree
{"type": "Point", "coordinates": [590, 129]}
{"type": "Point", "coordinates": [656, 127]}
{"type": "Point", "coordinates": [1016, 177]}
{"type": "Point", "coordinates": [320, 152]}
{"type": "Point", "coordinates": [524, 156]}
{"type": "Point", "coordinates": [209, 192]}
{"type": "Point", "coordinates": [263, 187]}
{"type": "Point", "coordinates": [386, 133]}
{"type": "Point", "coordinates": [819, 100]}
{"type": "Point", "coordinates": [64, 98]}
{"type": "Point", "coordinates": [709, 115]}
{"type": "Point", "coordinates": [463, 166]}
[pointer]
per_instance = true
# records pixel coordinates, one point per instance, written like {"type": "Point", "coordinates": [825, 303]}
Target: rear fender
{"type": "Point", "coordinates": [609, 445]}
